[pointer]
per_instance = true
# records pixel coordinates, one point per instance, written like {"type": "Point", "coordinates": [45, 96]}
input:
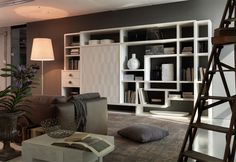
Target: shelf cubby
{"type": "Point", "coordinates": [187, 30]}
{"type": "Point", "coordinates": [203, 46]}
{"type": "Point", "coordinates": [186, 68]}
{"type": "Point", "coordinates": [72, 40]}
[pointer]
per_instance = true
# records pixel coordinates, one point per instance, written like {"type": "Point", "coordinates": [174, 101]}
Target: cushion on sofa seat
{"type": "Point", "coordinates": [41, 107]}
{"type": "Point", "coordinates": [143, 133]}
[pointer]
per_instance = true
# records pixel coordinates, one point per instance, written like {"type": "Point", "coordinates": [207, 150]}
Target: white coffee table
{"type": "Point", "coordinates": [39, 149]}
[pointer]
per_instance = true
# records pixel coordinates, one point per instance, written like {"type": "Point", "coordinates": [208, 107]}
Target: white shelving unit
{"type": "Point", "coordinates": [70, 76]}
{"type": "Point", "coordinates": [124, 41]}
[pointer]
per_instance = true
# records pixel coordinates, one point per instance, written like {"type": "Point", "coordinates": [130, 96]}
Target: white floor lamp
{"type": "Point", "coordinates": [42, 51]}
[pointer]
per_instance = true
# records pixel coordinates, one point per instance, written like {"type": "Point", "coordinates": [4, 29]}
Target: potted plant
{"type": "Point", "coordinates": [11, 102]}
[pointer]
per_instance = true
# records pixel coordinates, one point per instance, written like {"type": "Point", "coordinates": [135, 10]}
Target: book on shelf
{"type": "Point", "coordinates": [87, 142]}
{"type": "Point", "coordinates": [130, 96]}
{"type": "Point", "coordinates": [73, 64]}
{"type": "Point", "coordinates": [143, 96]}
{"type": "Point", "coordinates": [169, 50]}
{"type": "Point", "coordinates": [187, 50]}
{"type": "Point", "coordinates": [70, 64]}
{"type": "Point", "coordinates": [187, 94]}
{"type": "Point", "coordinates": [174, 96]}
{"type": "Point", "coordinates": [75, 43]}
{"type": "Point", "coordinates": [202, 72]}
{"type": "Point", "coordinates": [188, 74]}
{"type": "Point", "coordinates": [74, 51]}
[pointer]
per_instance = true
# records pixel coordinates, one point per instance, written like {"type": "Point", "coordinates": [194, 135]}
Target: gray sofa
{"type": "Point", "coordinates": [44, 107]}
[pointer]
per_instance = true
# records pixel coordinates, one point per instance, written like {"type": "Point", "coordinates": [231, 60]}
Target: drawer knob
{"type": "Point", "coordinates": [70, 75]}
{"type": "Point", "coordinates": [70, 82]}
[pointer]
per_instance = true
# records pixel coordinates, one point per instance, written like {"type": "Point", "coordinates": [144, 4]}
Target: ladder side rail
{"type": "Point", "coordinates": [223, 79]}
{"type": "Point", "coordinates": [225, 13]}
{"type": "Point", "coordinates": [232, 155]}
{"type": "Point", "coordinates": [230, 133]}
{"type": "Point", "coordinates": [231, 9]}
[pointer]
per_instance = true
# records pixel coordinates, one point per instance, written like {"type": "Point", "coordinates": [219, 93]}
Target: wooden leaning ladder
{"type": "Point", "coordinates": [224, 35]}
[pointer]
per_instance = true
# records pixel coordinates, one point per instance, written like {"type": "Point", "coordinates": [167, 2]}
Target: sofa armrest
{"type": "Point", "coordinates": [97, 115]}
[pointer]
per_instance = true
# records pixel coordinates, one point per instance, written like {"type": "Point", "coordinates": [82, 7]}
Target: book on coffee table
{"type": "Point", "coordinates": [87, 142]}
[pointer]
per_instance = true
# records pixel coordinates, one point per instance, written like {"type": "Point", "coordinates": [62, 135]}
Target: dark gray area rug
{"type": "Point", "coordinates": [165, 150]}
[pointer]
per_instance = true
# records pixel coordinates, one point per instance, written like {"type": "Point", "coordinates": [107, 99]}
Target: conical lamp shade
{"type": "Point", "coordinates": [42, 50]}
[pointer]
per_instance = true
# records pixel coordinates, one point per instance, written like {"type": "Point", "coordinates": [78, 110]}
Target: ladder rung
{"type": "Point", "coordinates": [210, 127]}
{"type": "Point", "coordinates": [225, 32]}
{"type": "Point", "coordinates": [230, 20]}
{"type": "Point", "coordinates": [223, 40]}
{"type": "Point", "coordinates": [214, 71]}
{"type": "Point", "coordinates": [201, 157]}
{"type": "Point", "coordinates": [218, 98]}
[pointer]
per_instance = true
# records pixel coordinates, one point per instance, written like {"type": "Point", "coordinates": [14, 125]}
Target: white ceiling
{"type": "Point", "coordinates": [8, 16]}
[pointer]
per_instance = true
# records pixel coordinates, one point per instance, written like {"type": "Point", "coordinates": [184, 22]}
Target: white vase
{"type": "Point", "coordinates": [133, 63]}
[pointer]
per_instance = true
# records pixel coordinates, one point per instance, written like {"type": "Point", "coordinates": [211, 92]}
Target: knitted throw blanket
{"type": "Point", "coordinates": [80, 105]}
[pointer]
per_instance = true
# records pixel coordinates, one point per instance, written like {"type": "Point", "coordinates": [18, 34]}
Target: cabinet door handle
{"type": "Point", "coordinates": [70, 82]}
{"type": "Point", "coordinates": [70, 75]}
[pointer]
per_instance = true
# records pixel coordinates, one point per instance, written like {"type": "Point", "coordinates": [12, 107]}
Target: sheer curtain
{"type": "Point", "coordinates": [5, 57]}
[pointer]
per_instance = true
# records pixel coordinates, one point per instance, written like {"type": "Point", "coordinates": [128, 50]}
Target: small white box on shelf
{"type": "Point", "coordinates": [138, 78]}
{"type": "Point", "coordinates": [129, 77]}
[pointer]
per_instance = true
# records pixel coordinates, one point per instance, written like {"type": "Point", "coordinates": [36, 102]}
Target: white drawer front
{"type": "Point", "coordinates": [70, 74]}
{"type": "Point", "coordinates": [70, 82]}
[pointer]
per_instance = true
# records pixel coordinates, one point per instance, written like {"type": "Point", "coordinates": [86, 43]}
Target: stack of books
{"type": "Point", "coordinates": [187, 50]}
{"type": "Point", "coordinates": [75, 43]}
{"type": "Point", "coordinates": [169, 50]}
{"type": "Point", "coordinates": [174, 96]}
{"type": "Point", "coordinates": [187, 95]}
{"type": "Point", "coordinates": [74, 51]}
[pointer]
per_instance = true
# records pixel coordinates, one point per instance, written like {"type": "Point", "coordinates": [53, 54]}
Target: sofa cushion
{"type": "Point", "coordinates": [40, 108]}
{"type": "Point", "coordinates": [86, 96]}
{"type": "Point", "coordinates": [65, 113]}
{"type": "Point", "coordinates": [143, 133]}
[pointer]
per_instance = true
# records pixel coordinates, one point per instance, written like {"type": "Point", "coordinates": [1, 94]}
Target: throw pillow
{"type": "Point", "coordinates": [39, 112]}
{"type": "Point", "coordinates": [143, 133]}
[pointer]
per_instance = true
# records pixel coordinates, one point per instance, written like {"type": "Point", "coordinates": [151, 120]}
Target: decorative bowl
{"type": "Point", "coordinates": [53, 129]}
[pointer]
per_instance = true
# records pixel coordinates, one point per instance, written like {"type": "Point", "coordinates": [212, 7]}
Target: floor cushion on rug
{"type": "Point", "coordinates": [143, 133]}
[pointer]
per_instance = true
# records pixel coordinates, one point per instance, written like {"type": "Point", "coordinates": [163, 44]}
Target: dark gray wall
{"type": "Point", "coordinates": [189, 10]}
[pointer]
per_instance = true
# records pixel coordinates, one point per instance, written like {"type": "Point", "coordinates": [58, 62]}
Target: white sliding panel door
{"type": "Point", "coordinates": [4, 54]}
{"type": "Point", "coordinates": [99, 67]}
